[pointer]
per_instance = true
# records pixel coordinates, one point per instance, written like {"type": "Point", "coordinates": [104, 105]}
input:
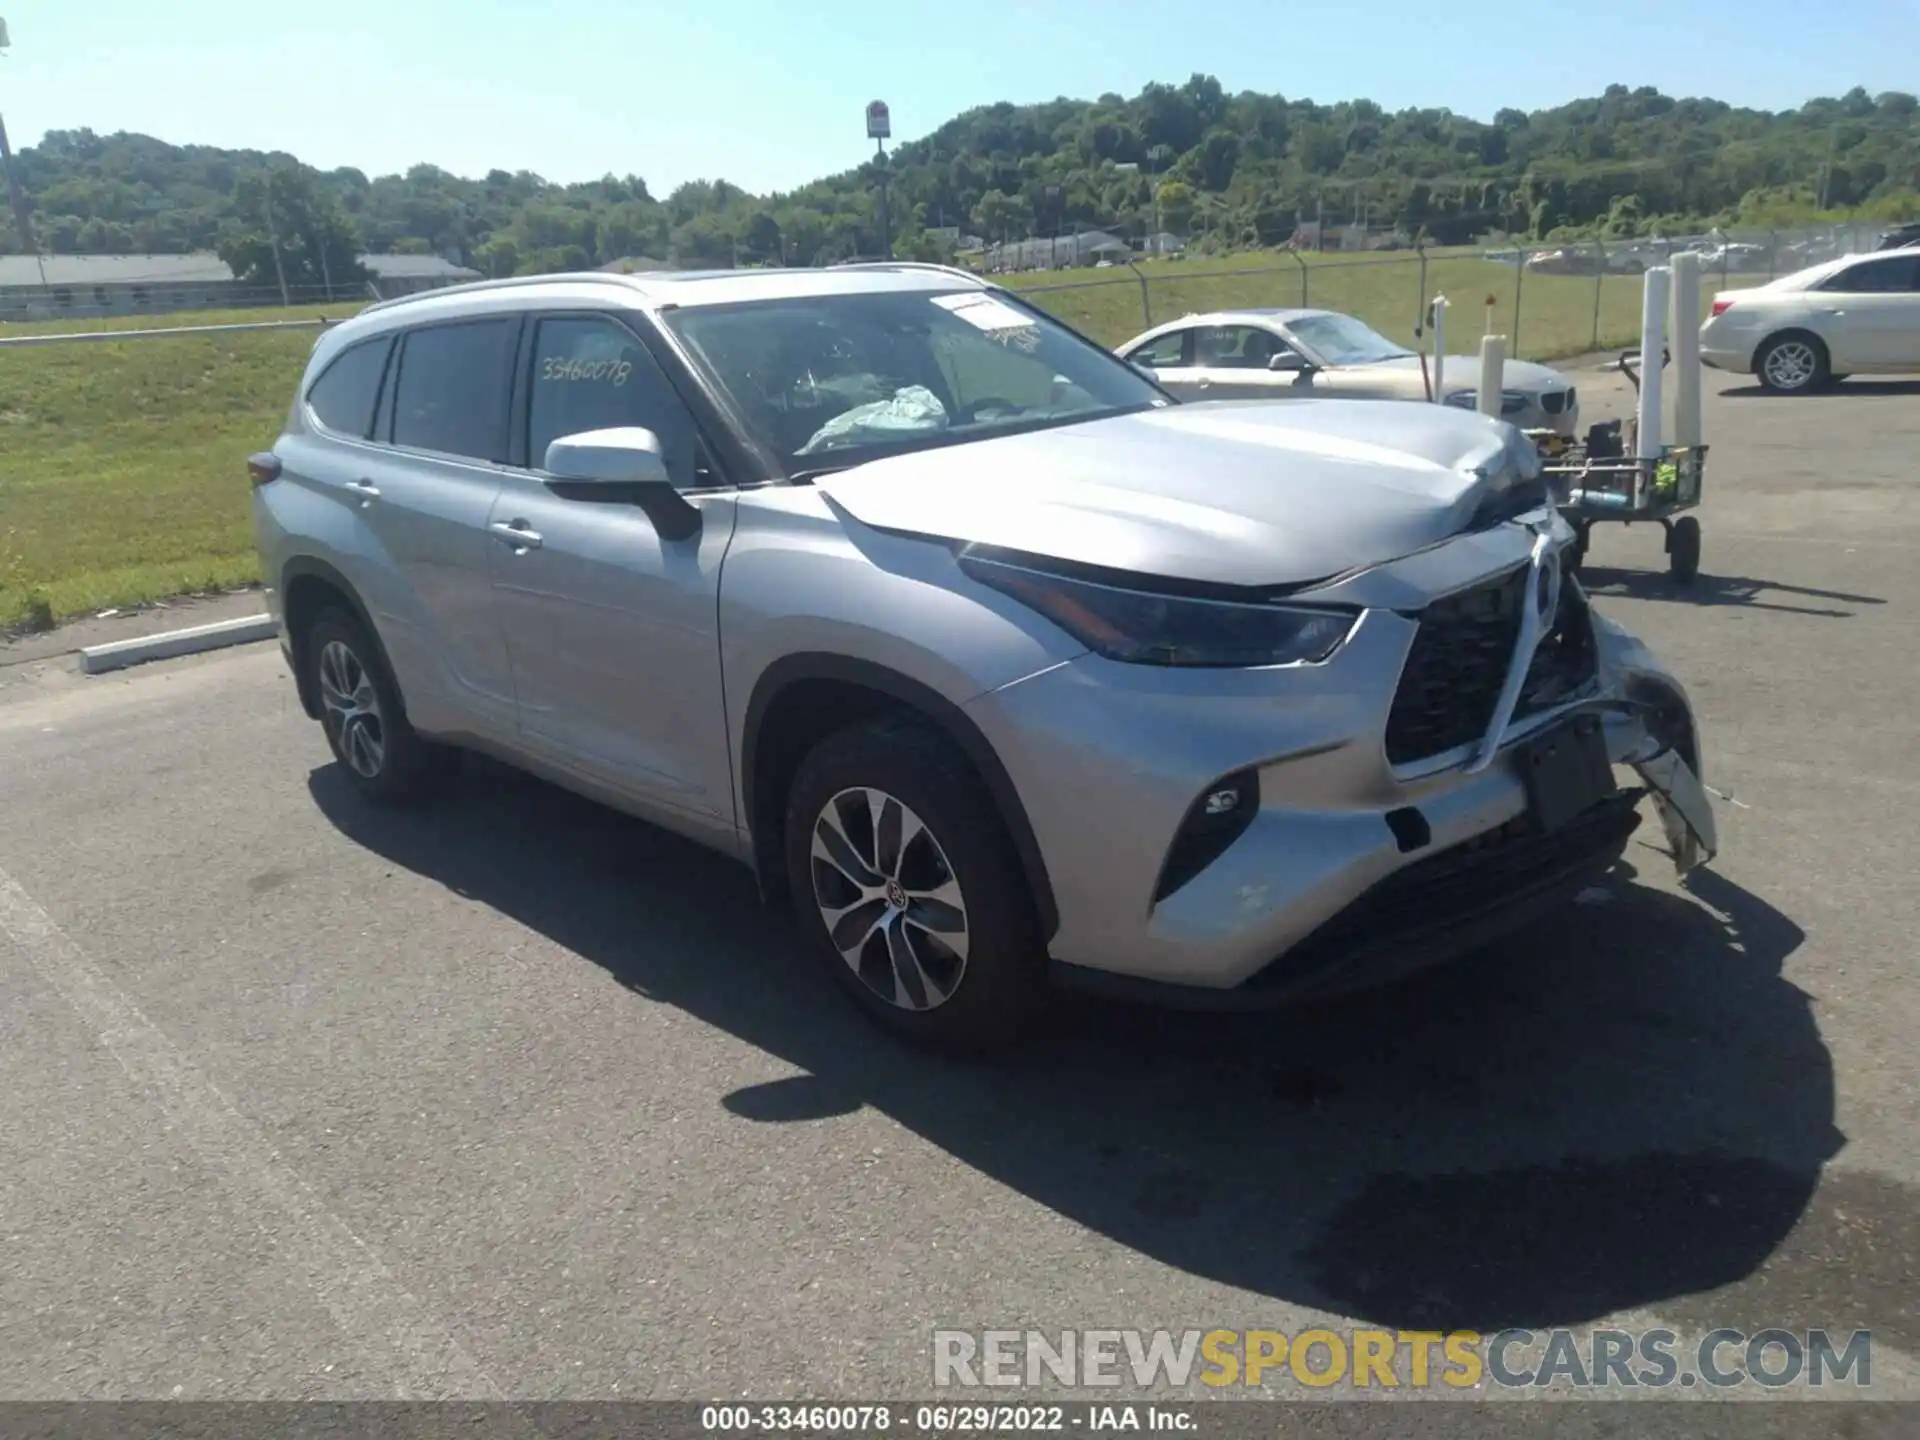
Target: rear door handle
{"type": "Point", "coordinates": [516, 533]}
{"type": "Point", "coordinates": [365, 489]}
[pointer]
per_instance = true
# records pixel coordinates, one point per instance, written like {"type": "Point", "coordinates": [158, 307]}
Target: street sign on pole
{"type": "Point", "coordinates": [879, 121]}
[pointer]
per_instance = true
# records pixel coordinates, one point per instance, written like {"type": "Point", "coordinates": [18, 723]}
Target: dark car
{"type": "Point", "coordinates": [1901, 237]}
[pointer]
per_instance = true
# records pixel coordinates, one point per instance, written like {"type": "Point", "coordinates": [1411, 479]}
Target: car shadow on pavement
{"type": "Point", "coordinates": [1850, 388]}
{"type": "Point", "coordinates": [1627, 1106]}
{"type": "Point", "coordinates": [1704, 589]}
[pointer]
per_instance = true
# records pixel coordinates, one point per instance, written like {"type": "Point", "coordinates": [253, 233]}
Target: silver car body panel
{"type": "Point", "coordinates": [647, 661]}
{"type": "Point", "coordinates": [1239, 495]}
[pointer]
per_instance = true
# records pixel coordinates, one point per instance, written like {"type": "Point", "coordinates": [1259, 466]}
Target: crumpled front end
{"type": "Point", "coordinates": [1255, 836]}
{"type": "Point", "coordinates": [1652, 729]}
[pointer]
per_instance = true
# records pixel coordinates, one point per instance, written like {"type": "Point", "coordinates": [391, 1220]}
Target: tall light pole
{"type": "Point", "coordinates": [15, 194]}
{"type": "Point", "coordinates": [879, 128]}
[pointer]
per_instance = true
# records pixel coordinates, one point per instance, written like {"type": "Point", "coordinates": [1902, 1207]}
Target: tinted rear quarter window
{"type": "Point", "coordinates": [451, 395]}
{"type": "Point", "coordinates": [342, 398]}
{"type": "Point", "coordinates": [1893, 275]}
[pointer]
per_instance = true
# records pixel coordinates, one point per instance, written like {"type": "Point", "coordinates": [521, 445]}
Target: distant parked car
{"type": "Point", "coordinates": [1281, 354]}
{"type": "Point", "coordinates": [1900, 237]}
{"type": "Point", "coordinates": [1856, 315]}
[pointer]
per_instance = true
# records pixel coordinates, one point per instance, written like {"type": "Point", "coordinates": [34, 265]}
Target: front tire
{"type": "Point", "coordinates": [907, 886]}
{"type": "Point", "coordinates": [1683, 550]}
{"type": "Point", "coordinates": [1793, 364]}
{"type": "Point", "coordinates": [366, 727]}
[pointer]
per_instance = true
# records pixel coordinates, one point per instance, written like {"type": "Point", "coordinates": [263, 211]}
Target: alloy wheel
{"type": "Point", "coordinates": [1791, 364]}
{"type": "Point", "coordinates": [889, 899]}
{"type": "Point", "coordinates": [352, 708]}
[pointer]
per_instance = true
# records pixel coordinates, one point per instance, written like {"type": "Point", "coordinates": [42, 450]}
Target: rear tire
{"type": "Point", "coordinates": [360, 710]}
{"type": "Point", "coordinates": [1683, 550]}
{"type": "Point", "coordinates": [1793, 364]}
{"type": "Point", "coordinates": [907, 885]}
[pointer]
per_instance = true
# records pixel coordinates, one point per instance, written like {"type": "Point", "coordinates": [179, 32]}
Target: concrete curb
{"type": "Point", "coordinates": [119, 654]}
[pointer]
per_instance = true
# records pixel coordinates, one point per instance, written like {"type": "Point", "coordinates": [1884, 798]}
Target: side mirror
{"type": "Point", "coordinates": [622, 466]}
{"type": "Point", "coordinates": [1142, 363]}
{"type": "Point", "coordinates": [1289, 361]}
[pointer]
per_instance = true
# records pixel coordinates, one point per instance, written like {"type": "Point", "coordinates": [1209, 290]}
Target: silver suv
{"type": "Point", "coordinates": [1009, 670]}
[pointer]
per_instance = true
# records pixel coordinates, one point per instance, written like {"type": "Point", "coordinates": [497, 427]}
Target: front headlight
{"type": "Point", "coordinates": [1144, 628]}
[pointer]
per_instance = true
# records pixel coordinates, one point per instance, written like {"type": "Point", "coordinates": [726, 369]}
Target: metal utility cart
{"type": "Point", "coordinates": [1602, 480]}
{"type": "Point", "coordinates": [1626, 471]}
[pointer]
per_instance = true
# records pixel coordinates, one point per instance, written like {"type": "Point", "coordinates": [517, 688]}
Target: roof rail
{"type": "Point", "coordinates": [510, 282]}
{"type": "Point", "coordinates": [909, 265]}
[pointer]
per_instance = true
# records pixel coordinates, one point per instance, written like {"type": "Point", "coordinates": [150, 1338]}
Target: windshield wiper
{"type": "Point", "coordinates": [807, 477]}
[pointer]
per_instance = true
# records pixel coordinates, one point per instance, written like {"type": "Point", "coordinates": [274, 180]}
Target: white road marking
{"type": "Point", "coordinates": [363, 1296]}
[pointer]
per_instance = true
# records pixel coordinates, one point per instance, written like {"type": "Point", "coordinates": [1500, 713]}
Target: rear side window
{"type": "Point", "coordinates": [1895, 275]}
{"type": "Point", "coordinates": [451, 395]}
{"type": "Point", "coordinates": [342, 398]}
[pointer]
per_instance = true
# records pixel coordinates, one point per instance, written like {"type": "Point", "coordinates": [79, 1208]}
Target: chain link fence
{"type": "Point", "coordinates": [1550, 301]}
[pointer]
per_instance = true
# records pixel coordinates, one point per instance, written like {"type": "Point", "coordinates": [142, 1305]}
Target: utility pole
{"type": "Point", "coordinates": [16, 195]}
{"type": "Point", "coordinates": [273, 239]}
{"type": "Point", "coordinates": [879, 128]}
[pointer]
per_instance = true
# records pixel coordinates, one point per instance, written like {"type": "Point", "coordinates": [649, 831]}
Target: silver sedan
{"type": "Point", "coordinates": [1276, 354]}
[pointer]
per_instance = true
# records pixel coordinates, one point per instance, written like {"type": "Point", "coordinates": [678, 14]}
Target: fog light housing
{"type": "Point", "coordinates": [1218, 816]}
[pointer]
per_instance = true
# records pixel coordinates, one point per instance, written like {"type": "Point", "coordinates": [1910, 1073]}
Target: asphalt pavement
{"type": "Point", "coordinates": [517, 1097]}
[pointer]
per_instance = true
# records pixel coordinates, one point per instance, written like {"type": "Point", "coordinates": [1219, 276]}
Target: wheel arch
{"type": "Point", "coordinates": [800, 699]}
{"type": "Point", "coordinates": [307, 587]}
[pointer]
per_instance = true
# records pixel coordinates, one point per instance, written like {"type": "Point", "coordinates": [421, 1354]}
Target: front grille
{"type": "Point", "coordinates": [1458, 663]}
{"type": "Point", "coordinates": [1512, 402]}
{"type": "Point", "coordinates": [1475, 883]}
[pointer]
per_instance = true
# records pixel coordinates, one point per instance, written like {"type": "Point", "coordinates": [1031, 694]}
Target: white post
{"type": "Point", "coordinates": [1439, 349]}
{"type": "Point", "coordinates": [1653, 350]}
{"type": "Point", "coordinates": [1493, 369]}
{"type": "Point", "coordinates": [1684, 321]}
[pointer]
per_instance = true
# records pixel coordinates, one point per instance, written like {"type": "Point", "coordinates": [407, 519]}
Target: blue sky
{"type": "Point", "coordinates": [770, 93]}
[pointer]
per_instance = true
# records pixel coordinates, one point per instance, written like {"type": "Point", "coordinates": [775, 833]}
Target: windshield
{"type": "Point", "coordinates": [830, 381]}
{"type": "Point", "coordinates": [1343, 340]}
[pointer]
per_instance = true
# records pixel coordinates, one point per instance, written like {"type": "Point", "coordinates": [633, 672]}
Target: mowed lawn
{"type": "Point", "coordinates": [122, 464]}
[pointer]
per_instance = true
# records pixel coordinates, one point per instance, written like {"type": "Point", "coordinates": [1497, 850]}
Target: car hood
{"type": "Point", "coordinates": [1264, 493]}
{"type": "Point", "coordinates": [1404, 375]}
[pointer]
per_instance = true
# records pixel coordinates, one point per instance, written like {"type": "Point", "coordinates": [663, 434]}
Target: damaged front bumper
{"type": "Point", "coordinates": [1666, 753]}
{"type": "Point", "coordinates": [1637, 688]}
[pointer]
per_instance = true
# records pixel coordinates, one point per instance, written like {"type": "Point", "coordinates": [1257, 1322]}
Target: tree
{"type": "Point", "coordinates": [998, 215]}
{"type": "Point", "coordinates": [283, 230]}
{"type": "Point", "coordinates": [1265, 156]}
{"type": "Point", "coordinates": [1176, 206]}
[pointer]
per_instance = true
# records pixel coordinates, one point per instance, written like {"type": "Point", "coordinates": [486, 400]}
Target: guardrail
{"type": "Point", "coordinates": [84, 336]}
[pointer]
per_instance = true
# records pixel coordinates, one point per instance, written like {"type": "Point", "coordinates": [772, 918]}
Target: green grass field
{"type": "Point", "coordinates": [122, 472]}
{"type": "Point", "coordinates": [122, 463]}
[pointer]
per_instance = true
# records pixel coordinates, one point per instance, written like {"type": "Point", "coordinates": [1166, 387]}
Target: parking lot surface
{"type": "Point", "coordinates": [519, 1097]}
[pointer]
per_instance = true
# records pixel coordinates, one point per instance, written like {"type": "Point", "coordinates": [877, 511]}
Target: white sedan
{"type": "Point", "coordinates": [1277, 354]}
{"type": "Point", "coordinates": [1858, 315]}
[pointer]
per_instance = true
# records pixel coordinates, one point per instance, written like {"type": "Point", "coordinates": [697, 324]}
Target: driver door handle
{"type": "Point", "coordinates": [516, 533]}
{"type": "Point", "coordinates": [365, 489]}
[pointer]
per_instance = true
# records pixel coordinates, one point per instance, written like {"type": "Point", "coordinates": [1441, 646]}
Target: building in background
{"type": "Point", "coordinates": [1087, 247]}
{"type": "Point", "coordinates": [51, 287]}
